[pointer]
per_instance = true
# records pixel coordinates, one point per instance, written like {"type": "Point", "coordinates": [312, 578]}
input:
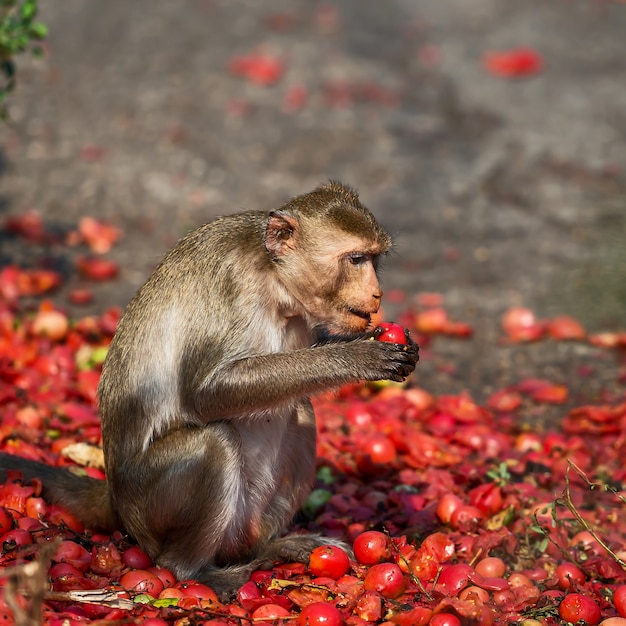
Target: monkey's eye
{"type": "Point", "coordinates": [359, 258]}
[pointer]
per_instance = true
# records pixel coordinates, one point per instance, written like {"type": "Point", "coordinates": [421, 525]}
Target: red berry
{"type": "Point", "coordinates": [392, 333]}
{"type": "Point", "coordinates": [385, 578]}
{"type": "Point", "coordinates": [320, 614]}
{"type": "Point", "coordinates": [329, 561]}
{"type": "Point", "coordinates": [372, 547]}
{"type": "Point", "coordinates": [142, 581]}
{"type": "Point", "coordinates": [576, 607]}
{"type": "Point", "coordinates": [619, 599]}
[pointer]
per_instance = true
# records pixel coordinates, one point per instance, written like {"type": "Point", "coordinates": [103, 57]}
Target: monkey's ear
{"type": "Point", "coordinates": [280, 233]}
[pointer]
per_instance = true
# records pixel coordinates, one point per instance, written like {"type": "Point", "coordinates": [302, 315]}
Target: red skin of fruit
{"type": "Point", "coordinates": [270, 612]}
{"type": "Point", "coordinates": [569, 575]}
{"type": "Point", "coordinates": [142, 581]}
{"type": "Point", "coordinates": [385, 578]}
{"type": "Point", "coordinates": [329, 561]}
{"type": "Point", "coordinates": [380, 449]}
{"type": "Point", "coordinates": [619, 599]}
{"type": "Point", "coordinates": [6, 521]}
{"type": "Point", "coordinates": [392, 333]}
{"type": "Point", "coordinates": [576, 607]}
{"type": "Point", "coordinates": [320, 614]}
{"type": "Point", "coordinates": [136, 558]}
{"type": "Point", "coordinates": [444, 619]}
{"type": "Point", "coordinates": [491, 567]}
{"type": "Point", "coordinates": [372, 547]}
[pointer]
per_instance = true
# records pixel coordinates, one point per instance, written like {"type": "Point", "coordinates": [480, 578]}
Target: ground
{"type": "Point", "coordinates": [500, 191]}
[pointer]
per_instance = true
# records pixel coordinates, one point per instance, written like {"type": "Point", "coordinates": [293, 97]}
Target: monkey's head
{"type": "Point", "coordinates": [325, 247]}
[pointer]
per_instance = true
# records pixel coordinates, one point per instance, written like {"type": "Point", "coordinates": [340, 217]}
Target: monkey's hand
{"type": "Point", "coordinates": [382, 360]}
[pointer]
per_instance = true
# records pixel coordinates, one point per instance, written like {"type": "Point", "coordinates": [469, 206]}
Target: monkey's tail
{"type": "Point", "coordinates": [88, 499]}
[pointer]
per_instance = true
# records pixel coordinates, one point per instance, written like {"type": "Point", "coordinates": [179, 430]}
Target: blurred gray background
{"type": "Point", "coordinates": [499, 192]}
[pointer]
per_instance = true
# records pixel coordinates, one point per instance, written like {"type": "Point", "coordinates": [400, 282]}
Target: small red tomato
{"type": "Point", "coordinates": [16, 537]}
{"type": "Point", "coordinates": [619, 599]}
{"type": "Point", "coordinates": [320, 614]}
{"type": "Point", "coordinates": [329, 561]}
{"type": "Point", "coordinates": [491, 567]}
{"type": "Point", "coordinates": [564, 327]}
{"type": "Point", "coordinates": [487, 498]}
{"type": "Point", "coordinates": [455, 577]}
{"type": "Point", "coordinates": [467, 518]}
{"type": "Point", "coordinates": [392, 333]}
{"type": "Point", "coordinates": [142, 581]}
{"type": "Point", "coordinates": [569, 575]}
{"type": "Point", "coordinates": [372, 547]}
{"type": "Point", "coordinates": [95, 268]}
{"type": "Point", "coordinates": [576, 607]}
{"type": "Point", "coordinates": [267, 612]}
{"type": "Point", "coordinates": [380, 449]}
{"type": "Point", "coordinates": [74, 554]}
{"type": "Point", "coordinates": [6, 521]}
{"type": "Point", "coordinates": [359, 414]}
{"type": "Point", "coordinates": [195, 589]}
{"type": "Point", "coordinates": [136, 558]}
{"type": "Point", "coordinates": [385, 578]}
{"type": "Point", "coordinates": [448, 504]}
{"type": "Point", "coordinates": [444, 619]}
{"type": "Point", "coordinates": [164, 575]}
{"type": "Point", "coordinates": [51, 324]}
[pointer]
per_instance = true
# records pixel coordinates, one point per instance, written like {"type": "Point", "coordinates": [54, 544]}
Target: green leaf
{"type": "Point", "coordinates": [325, 475]}
{"type": "Point", "coordinates": [143, 598]}
{"type": "Point", "coordinates": [29, 10]}
{"type": "Point", "coordinates": [165, 602]}
{"type": "Point", "coordinates": [38, 30]}
{"type": "Point", "coordinates": [316, 500]}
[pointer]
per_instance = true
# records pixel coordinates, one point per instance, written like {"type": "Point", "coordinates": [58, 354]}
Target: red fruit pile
{"type": "Point", "coordinates": [457, 513]}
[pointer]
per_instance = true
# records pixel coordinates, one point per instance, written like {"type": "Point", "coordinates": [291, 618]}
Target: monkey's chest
{"type": "Point", "coordinates": [278, 453]}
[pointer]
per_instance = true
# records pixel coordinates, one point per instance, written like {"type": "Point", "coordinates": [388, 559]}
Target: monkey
{"type": "Point", "coordinates": [209, 435]}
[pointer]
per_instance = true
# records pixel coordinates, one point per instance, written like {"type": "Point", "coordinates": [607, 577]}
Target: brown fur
{"type": "Point", "coordinates": [209, 436]}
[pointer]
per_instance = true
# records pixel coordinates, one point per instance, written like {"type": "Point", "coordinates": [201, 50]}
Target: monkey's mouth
{"type": "Point", "coordinates": [362, 314]}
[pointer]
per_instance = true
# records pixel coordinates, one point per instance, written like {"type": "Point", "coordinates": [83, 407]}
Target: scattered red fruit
{"type": "Point", "coordinates": [520, 324]}
{"type": "Point", "coordinates": [392, 333]}
{"type": "Point", "coordinates": [96, 268]}
{"type": "Point", "coordinates": [564, 327]}
{"type": "Point", "coordinates": [576, 607]}
{"type": "Point", "coordinates": [569, 575]}
{"type": "Point", "coordinates": [379, 449]}
{"type": "Point", "coordinates": [515, 63]}
{"type": "Point", "coordinates": [258, 68]}
{"type": "Point", "coordinates": [619, 599]}
{"type": "Point", "coordinates": [320, 614]}
{"type": "Point", "coordinates": [372, 547]}
{"type": "Point", "coordinates": [459, 486]}
{"type": "Point", "coordinates": [99, 236]}
{"type": "Point", "coordinates": [270, 612]}
{"type": "Point", "coordinates": [444, 619]}
{"type": "Point", "coordinates": [51, 324]}
{"type": "Point", "coordinates": [385, 578]}
{"type": "Point", "coordinates": [329, 561]}
{"type": "Point", "coordinates": [142, 581]}
{"type": "Point", "coordinates": [135, 557]}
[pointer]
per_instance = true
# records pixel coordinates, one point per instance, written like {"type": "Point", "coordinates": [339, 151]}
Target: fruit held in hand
{"type": "Point", "coordinates": [392, 333]}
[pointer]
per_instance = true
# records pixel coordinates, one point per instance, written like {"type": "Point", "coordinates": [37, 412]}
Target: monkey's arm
{"type": "Point", "coordinates": [324, 336]}
{"type": "Point", "coordinates": [262, 382]}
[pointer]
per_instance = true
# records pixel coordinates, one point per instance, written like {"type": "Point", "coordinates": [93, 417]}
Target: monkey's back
{"type": "Point", "coordinates": [206, 303]}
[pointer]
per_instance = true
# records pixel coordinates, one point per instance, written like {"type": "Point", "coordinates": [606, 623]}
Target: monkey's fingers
{"type": "Point", "coordinates": [375, 333]}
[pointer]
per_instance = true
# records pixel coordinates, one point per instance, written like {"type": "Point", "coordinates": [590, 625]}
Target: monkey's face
{"type": "Point", "coordinates": [344, 293]}
{"type": "Point", "coordinates": [327, 268]}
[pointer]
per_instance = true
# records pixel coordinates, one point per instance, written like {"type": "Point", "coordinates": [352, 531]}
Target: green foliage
{"type": "Point", "coordinates": [19, 32]}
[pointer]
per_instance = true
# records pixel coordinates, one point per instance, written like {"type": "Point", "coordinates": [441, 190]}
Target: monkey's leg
{"type": "Point", "coordinates": [183, 500]}
{"type": "Point", "coordinates": [297, 477]}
